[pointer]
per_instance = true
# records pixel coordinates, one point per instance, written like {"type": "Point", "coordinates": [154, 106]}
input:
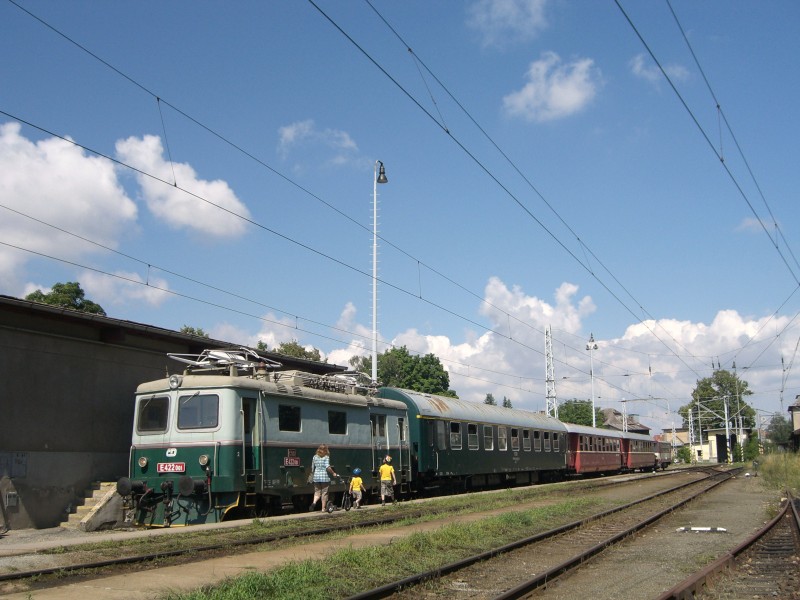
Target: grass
{"type": "Point", "coordinates": [781, 471]}
{"type": "Point", "coordinates": [377, 565]}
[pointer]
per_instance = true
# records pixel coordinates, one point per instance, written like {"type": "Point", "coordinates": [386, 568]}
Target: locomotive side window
{"type": "Point", "coordinates": [514, 438]}
{"type": "Point", "coordinates": [537, 441]}
{"type": "Point", "coordinates": [472, 436]}
{"type": "Point", "coordinates": [547, 441]}
{"type": "Point", "coordinates": [488, 437]}
{"type": "Point", "coordinates": [455, 435]}
{"type": "Point", "coordinates": [526, 440]}
{"type": "Point", "coordinates": [502, 438]}
{"type": "Point", "coordinates": [378, 426]}
{"type": "Point", "coordinates": [337, 422]}
{"type": "Point", "coordinates": [288, 418]}
{"type": "Point", "coordinates": [153, 413]}
{"type": "Point", "coordinates": [198, 411]}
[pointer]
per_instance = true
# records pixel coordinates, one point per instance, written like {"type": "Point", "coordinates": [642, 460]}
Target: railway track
{"type": "Point", "coordinates": [549, 555]}
{"type": "Point", "coordinates": [79, 565]}
{"type": "Point", "coordinates": [767, 565]}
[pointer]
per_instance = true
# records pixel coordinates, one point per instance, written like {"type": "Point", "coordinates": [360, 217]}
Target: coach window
{"type": "Point", "coordinates": [556, 438]}
{"type": "Point", "coordinates": [153, 413]}
{"type": "Point", "coordinates": [514, 438]}
{"type": "Point", "coordinates": [455, 435]}
{"type": "Point", "coordinates": [488, 437]}
{"type": "Point", "coordinates": [337, 422]}
{"type": "Point", "coordinates": [526, 440]}
{"type": "Point", "coordinates": [198, 411]}
{"type": "Point", "coordinates": [547, 441]}
{"type": "Point", "coordinates": [441, 435]}
{"type": "Point", "coordinates": [502, 438]}
{"type": "Point", "coordinates": [537, 441]}
{"type": "Point", "coordinates": [472, 436]}
{"type": "Point", "coordinates": [288, 417]}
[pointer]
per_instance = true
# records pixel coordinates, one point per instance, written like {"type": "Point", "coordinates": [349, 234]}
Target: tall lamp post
{"type": "Point", "coordinates": [591, 347]}
{"type": "Point", "coordinates": [380, 177]}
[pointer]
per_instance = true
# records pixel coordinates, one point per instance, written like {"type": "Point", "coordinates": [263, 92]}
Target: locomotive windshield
{"type": "Point", "coordinates": [198, 411]}
{"type": "Point", "coordinates": [153, 413]}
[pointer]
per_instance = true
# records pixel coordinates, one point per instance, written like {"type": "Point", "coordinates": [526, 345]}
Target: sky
{"type": "Point", "coordinates": [619, 170]}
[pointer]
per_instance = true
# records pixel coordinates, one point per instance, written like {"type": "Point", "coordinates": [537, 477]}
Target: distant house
{"type": "Point", "coordinates": [612, 419]}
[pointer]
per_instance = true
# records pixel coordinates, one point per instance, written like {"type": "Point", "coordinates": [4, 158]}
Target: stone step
{"type": "Point", "coordinates": [92, 498]}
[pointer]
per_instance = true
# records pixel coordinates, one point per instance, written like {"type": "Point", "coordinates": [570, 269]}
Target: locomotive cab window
{"type": "Point", "coordinates": [153, 414]}
{"type": "Point", "coordinates": [455, 435]}
{"type": "Point", "coordinates": [288, 418]}
{"type": "Point", "coordinates": [337, 422]}
{"type": "Point", "coordinates": [198, 411]}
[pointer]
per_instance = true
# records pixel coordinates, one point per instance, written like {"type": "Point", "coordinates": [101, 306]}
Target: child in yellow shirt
{"type": "Point", "coordinates": [357, 487]}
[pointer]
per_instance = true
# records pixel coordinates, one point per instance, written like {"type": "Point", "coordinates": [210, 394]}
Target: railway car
{"type": "Point", "coordinates": [457, 445]}
{"type": "Point", "coordinates": [640, 452]}
{"type": "Point", "coordinates": [228, 438]}
{"type": "Point", "coordinates": [664, 454]}
{"type": "Point", "coordinates": [593, 451]}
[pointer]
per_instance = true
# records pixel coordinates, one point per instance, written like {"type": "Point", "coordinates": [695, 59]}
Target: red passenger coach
{"type": "Point", "coordinates": [640, 451]}
{"type": "Point", "coordinates": [591, 450]}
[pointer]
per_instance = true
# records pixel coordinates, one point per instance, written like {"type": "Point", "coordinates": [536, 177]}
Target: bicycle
{"type": "Point", "coordinates": [347, 498]}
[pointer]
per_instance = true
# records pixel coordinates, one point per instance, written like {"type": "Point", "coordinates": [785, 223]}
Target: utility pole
{"type": "Point", "coordinates": [550, 379]}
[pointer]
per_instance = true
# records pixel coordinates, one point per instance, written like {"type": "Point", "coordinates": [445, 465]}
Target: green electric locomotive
{"type": "Point", "coordinates": [229, 438]}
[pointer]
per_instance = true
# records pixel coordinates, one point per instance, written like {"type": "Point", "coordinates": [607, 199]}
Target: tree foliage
{"type": "Point", "coordinates": [490, 400]}
{"type": "Point", "coordinates": [294, 349]}
{"type": "Point", "coordinates": [578, 412]}
{"type": "Point", "coordinates": [507, 402]}
{"type": "Point", "coordinates": [398, 368]}
{"type": "Point", "coordinates": [67, 295]}
{"type": "Point", "coordinates": [189, 330]}
{"type": "Point", "coordinates": [710, 395]}
{"type": "Point", "coordinates": [779, 430]}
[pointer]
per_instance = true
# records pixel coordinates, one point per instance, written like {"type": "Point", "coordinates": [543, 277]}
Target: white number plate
{"type": "Point", "coordinates": [171, 467]}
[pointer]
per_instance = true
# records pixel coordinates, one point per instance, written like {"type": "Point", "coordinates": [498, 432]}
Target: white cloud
{"type": "Point", "coordinates": [335, 146]}
{"type": "Point", "coordinates": [504, 22]}
{"type": "Point", "coordinates": [644, 69]}
{"type": "Point", "coordinates": [58, 183]}
{"type": "Point", "coordinates": [554, 89]}
{"type": "Point", "coordinates": [175, 207]}
{"type": "Point", "coordinates": [126, 287]}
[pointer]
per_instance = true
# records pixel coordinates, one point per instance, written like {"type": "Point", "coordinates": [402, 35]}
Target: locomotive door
{"type": "Point", "coordinates": [251, 444]}
{"type": "Point", "coordinates": [379, 441]}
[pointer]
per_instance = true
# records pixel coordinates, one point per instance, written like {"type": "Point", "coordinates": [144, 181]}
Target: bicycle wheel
{"type": "Point", "coordinates": [347, 501]}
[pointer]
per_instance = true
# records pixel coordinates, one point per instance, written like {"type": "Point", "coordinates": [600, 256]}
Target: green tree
{"type": "Point", "coordinates": [294, 349]}
{"type": "Point", "coordinates": [262, 346]}
{"type": "Point", "coordinates": [684, 454]}
{"type": "Point", "coordinates": [578, 412]}
{"type": "Point", "coordinates": [710, 395]}
{"type": "Point", "coordinates": [67, 295]}
{"type": "Point", "coordinates": [189, 330]}
{"type": "Point", "coordinates": [398, 368]}
{"type": "Point", "coordinates": [779, 430]}
{"type": "Point", "coordinates": [490, 400]}
{"type": "Point", "coordinates": [507, 402]}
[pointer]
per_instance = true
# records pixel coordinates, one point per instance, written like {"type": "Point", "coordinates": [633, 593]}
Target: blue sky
{"type": "Point", "coordinates": [191, 164]}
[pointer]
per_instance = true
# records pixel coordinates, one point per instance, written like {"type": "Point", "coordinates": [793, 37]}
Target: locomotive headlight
{"type": "Point", "coordinates": [142, 461]}
{"type": "Point", "coordinates": [203, 460]}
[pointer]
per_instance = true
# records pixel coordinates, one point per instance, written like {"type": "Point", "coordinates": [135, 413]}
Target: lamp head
{"type": "Point", "coordinates": [382, 174]}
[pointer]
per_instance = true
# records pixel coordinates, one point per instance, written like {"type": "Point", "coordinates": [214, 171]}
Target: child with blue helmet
{"type": "Point", "coordinates": [357, 487]}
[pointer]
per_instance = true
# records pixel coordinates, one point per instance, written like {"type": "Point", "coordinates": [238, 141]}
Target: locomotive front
{"type": "Point", "coordinates": [186, 456]}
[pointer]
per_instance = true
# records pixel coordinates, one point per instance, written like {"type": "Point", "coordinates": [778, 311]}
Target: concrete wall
{"type": "Point", "coordinates": [67, 383]}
